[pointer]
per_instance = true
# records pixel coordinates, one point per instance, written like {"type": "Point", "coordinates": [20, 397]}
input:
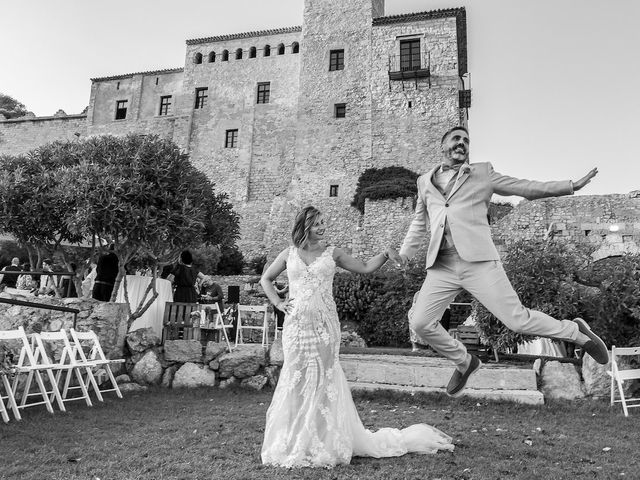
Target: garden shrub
{"type": "Point", "coordinates": [614, 313]}
{"type": "Point", "coordinates": [257, 264]}
{"type": "Point", "coordinates": [542, 275]}
{"type": "Point", "coordinates": [231, 262]}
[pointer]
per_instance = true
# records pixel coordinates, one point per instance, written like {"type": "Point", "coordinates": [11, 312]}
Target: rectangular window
{"type": "Point", "coordinates": [340, 110]}
{"type": "Point", "coordinates": [410, 54]}
{"type": "Point", "coordinates": [336, 60]}
{"type": "Point", "coordinates": [165, 103]}
{"type": "Point", "coordinates": [333, 190]}
{"type": "Point", "coordinates": [121, 109]}
{"type": "Point", "coordinates": [231, 139]}
{"type": "Point", "coordinates": [201, 97]}
{"type": "Point", "coordinates": [264, 89]}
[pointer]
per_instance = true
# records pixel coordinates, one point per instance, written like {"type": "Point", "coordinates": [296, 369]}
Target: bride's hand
{"type": "Point", "coordinates": [285, 305]}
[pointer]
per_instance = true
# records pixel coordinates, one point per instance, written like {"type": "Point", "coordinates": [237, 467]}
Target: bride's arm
{"type": "Point", "coordinates": [346, 261]}
{"type": "Point", "coordinates": [269, 275]}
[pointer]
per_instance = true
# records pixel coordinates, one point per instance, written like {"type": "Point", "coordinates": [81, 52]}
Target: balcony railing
{"type": "Point", "coordinates": [409, 66]}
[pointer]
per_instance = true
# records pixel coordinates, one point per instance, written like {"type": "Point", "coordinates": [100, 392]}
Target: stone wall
{"type": "Point", "coordinates": [19, 135]}
{"type": "Point", "coordinates": [107, 320]}
{"type": "Point", "coordinates": [610, 223]}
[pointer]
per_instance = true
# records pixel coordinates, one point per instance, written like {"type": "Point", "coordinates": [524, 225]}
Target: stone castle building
{"type": "Point", "coordinates": [283, 118]}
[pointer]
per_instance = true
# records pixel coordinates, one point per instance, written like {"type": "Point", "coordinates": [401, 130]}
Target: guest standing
{"type": "Point", "coordinates": [10, 279]}
{"type": "Point", "coordinates": [106, 274]}
{"type": "Point", "coordinates": [185, 277]}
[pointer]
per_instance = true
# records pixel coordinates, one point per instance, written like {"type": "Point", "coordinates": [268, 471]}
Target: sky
{"type": "Point", "coordinates": [552, 80]}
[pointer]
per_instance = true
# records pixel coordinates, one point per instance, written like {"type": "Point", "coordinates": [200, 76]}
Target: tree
{"type": "Point", "coordinates": [10, 107]}
{"type": "Point", "coordinates": [139, 193]}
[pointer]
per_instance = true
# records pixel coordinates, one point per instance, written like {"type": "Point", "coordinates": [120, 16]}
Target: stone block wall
{"type": "Point", "coordinates": [610, 223]}
{"type": "Point", "coordinates": [108, 320]}
{"type": "Point", "coordinates": [18, 136]}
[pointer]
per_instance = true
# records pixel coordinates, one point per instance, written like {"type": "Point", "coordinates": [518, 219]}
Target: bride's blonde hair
{"type": "Point", "coordinates": [303, 223]}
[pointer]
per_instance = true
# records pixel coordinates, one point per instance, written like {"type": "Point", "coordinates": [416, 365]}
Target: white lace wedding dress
{"type": "Point", "coordinates": [312, 420]}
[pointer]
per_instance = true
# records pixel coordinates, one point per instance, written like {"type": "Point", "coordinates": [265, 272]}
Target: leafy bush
{"type": "Point", "coordinates": [542, 275]}
{"type": "Point", "coordinates": [614, 313]}
{"type": "Point", "coordinates": [353, 296]}
{"type": "Point", "coordinates": [231, 262]}
{"type": "Point", "coordinates": [382, 183]}
{"type": "Point", "coordinates": [257, 264]}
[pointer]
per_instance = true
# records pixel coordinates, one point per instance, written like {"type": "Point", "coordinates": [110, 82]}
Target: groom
{"type": "Point", "coordinates": [453, 200]}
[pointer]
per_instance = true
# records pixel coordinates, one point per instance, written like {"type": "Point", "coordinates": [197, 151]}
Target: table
{"type": "Point", "coordinates": [136, 286]}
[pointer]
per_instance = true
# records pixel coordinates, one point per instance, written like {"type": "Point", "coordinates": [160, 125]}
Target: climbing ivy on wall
{"type": "Point", "coordinates": [384, 183]}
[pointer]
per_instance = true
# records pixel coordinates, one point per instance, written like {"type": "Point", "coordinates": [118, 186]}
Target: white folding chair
{"type": "Point", "coordinates": [23, 372]}
{"type": "Point", "coordinates": [245, 312]}
{"type": "Point", "coordinates": [66, 367]}
{"type": "Point", "coordinates": [96, 359]}
{"type": "Point", "coordinates": [213, 310]}
{"type": "Point", "coordinates": [619, 376]}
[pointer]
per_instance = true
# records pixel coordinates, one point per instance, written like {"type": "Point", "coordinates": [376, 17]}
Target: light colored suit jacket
{"type": "Point", "coordinates": [466, 208]}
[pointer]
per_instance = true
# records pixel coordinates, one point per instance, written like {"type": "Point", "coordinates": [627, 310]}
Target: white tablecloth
{"type": "Point", "coordinates": [136, 286]}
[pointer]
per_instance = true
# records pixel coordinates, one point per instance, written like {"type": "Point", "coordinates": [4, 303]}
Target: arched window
{"type": "Point", "coordinates": [267, 50]}
{"type": "Point", "coordinates": [239, 54]}
{"type": "Point", "coordinates": [252, 52]}
{"type": "Point", "coordinates": [212, 57]}
{"type": "Point", "coordinates": [225, 55]}
{"type": "Point", "coordinates": [295, 47]}
{"type": "Point", "coordinates": [281, 49]}
{"type": "Point", "coordinates": [197, 58]}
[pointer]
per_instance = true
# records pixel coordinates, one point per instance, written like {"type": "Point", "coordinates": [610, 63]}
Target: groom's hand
{"type": "Point", "coordinates": [394, 256]}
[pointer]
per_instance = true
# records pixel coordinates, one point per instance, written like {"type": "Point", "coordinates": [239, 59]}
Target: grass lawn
{"type": "Point", "coordinates": [212, 433]}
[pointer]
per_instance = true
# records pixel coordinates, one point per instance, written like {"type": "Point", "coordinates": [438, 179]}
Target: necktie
{"type": "Point", "coordinates": [455, 167]}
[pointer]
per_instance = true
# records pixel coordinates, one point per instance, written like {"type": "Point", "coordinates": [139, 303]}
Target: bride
{"type": "Point", "coordinates": [312, 420]}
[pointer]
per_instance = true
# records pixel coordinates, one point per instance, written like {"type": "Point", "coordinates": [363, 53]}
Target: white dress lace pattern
{"type": "Point", "coordinates": [312, 420]}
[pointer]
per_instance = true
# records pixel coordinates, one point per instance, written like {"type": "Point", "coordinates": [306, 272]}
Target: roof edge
{"type": "Point", "coordinates": [128, 75]}
{"type": "Point", "coordinates": [406, 17]}
{"type": "Point", "coordinates": [234, 36]}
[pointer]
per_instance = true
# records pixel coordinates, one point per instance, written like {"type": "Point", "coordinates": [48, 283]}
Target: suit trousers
{"type": "Point", "coordinates": [488, 283]}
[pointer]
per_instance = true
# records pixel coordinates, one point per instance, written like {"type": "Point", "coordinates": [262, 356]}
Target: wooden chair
{"type": "Point", "coordinates": [96, 359]}
{"type": "Point", "coordinates": [178, 323]}
{"type": "Point", "coordinates": [244, 322]}
{"type": "Point", "coordinates": [66, 367]}
{"type": "Point", "coordinates": [619, 376]}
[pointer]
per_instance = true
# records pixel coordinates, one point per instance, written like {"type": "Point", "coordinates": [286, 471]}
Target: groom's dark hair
{"type": "Point", "coordinates": [303, 222]}
{"type": "Point", "coordinates": [453, 129]}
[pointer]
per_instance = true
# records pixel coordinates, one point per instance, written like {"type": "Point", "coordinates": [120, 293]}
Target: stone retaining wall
{"type": "Point", "coordinates": [108, 320]}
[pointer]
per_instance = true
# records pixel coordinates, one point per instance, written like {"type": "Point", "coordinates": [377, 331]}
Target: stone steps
{"type": "Point", "coordinates": [431, 374]}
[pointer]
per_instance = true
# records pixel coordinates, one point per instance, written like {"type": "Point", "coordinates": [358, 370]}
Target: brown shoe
{"type": "Point", "coordinates": [594, 346]}
{"type": "Point", "coordinates": [459, 380]}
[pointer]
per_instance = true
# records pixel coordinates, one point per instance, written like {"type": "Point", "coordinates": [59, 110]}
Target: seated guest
{"type": "Point", "coordinates": [48, 283]}
{"type": "Point", "coordinates": [211, 292]}
{"type": "Point", "coordinates": [25, 281]}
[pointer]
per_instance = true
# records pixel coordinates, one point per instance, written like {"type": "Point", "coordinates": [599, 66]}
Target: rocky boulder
{"type": "Point", "coordinates": [243, 362]}
{"type": "Point", "coordinates": [276, 354]}
{"type": "Point", "coordinates": [148, 370]}
{"type": "Point", "coordinates": [213, 350]}
{"type": "Point", "coordinates": [182, 351]}
{"type": "Point", "coordinates": [191, 375]}
{"type": "Point", "coordinates": [142, 339]}
{"type": "Point", "coordinates": [257, 382]}
{"type": "Point", "coordinates": [561, 381]}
